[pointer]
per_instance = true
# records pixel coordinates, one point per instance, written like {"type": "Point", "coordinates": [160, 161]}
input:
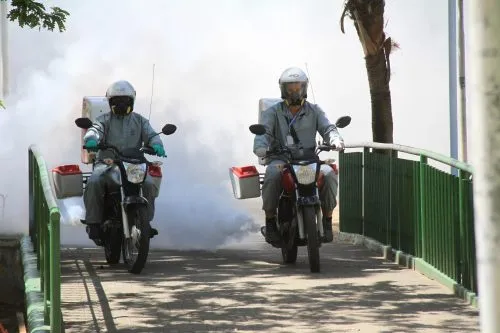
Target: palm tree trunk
{"type": "Point", "coordinates": [380, 93]}
{"type": "Point", "coordinates": [368, 17]}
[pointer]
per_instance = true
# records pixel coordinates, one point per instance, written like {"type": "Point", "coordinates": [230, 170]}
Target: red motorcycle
{"type": "Point", "coordinates": [299, 218]}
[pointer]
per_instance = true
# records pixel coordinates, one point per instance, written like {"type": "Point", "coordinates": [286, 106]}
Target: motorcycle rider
{"type": "Point", "coordinates": [123, 129]}
{"type": "Point", "coordinates": [294, 122]}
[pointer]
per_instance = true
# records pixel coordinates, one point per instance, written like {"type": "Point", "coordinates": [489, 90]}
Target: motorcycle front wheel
{"type": "Point", "coordinates": [309, 215]}
{"type": "Point", "coordinates": [135, 249]}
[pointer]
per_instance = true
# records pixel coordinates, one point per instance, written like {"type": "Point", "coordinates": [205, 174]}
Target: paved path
{"type": "Point", "coordinates": [241, 290]}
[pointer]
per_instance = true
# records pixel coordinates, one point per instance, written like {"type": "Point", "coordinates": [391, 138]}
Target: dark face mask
{"type": "Point", "coordinates": [294, 98]}
{"type": "Point", "coordinates": [121, 105]}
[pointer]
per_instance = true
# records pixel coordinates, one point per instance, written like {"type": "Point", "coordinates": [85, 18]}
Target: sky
{"type": "Point", "coordinates": [213, 61]}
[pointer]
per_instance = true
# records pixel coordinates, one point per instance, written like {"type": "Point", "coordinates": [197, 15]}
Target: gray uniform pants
{"type": "Point", "coordinates": [97, 183]}
{"type": "Point", "coordinates": [271, 188]}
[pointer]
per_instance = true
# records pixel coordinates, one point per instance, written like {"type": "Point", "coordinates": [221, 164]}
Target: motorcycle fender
{"type": "Point", "coordinates": [308, 201]}
{"type": "Point", "coordinates": [135, 200]}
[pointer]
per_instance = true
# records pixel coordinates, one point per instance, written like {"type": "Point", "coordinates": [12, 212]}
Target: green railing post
{"type": "Point", "coordinates": [454, 255]}
{"type": "Point", "coordinates": [388, 236]}
{"type": "Point", "coordinates": [40, 234]}
{"type": "Point", "coordinates": [464, 239]}
{"type": "Point", "coordinates": [55, 271]}
{"type": "Point", "coordinates": [417, 241]}
{"type": "Point", "coordinates": [350, 192]}
{"type": "Point", "coordinates": [364, 190]}
{"type": "Point", "coordinates": [31, 193]}
{"type": "Point", "coordinates": [45, 235]}
{"type": "Point", "coordinates": [422, 229]}
{"type": "Point", "coordinates": [425, 211]}
{"type": "Point", "coordinates": [46, 263]}
{"type": "Point", "coordinates": [38, 229]}
{"type": "Point", "coordinates": [471, 255]}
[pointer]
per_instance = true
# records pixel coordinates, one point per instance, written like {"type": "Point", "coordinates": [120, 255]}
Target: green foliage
{"type": "Point", "coordinates": [33, 14]}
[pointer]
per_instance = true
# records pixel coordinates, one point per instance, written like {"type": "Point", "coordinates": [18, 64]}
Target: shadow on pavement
{"type": "Point", "coordinates": [249, 290]}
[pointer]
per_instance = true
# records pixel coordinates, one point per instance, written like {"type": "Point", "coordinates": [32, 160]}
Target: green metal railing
{"type": "Point", "coordinates": [44, 230]}
{"type": "Point", "coordinates": [411, 206]}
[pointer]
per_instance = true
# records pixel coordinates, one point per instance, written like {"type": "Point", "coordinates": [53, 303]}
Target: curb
{"type": "Point", "coordinates": [411, 262]}
{"type": "Point", "coordinates": [32, 292]}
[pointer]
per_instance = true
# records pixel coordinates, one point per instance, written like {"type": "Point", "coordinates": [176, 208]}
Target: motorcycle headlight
{"type": "Point", "coordinates": [306, 174]}
{"type": "Point", "coordinates": [135, 172]}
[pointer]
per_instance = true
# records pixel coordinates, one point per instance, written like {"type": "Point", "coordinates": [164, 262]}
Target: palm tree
{"type": "Point", "coordinates": [368, 17]}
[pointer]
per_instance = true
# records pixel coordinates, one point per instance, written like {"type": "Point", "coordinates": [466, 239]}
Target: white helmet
{"type": "Point", "coordinates": [121, 97]}
{"type": "Point", "coordinates": [293, 75]}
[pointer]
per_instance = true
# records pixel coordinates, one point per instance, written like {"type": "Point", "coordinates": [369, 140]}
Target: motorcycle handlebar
{"type": "Point", "coordinates": [323, 147]}
{"type": "Point", "coordinates": [147, 150]}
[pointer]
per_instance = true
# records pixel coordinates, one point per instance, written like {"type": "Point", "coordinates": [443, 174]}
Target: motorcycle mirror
{"type": "Point", "coordinates": [169, 129]}
{"type": "Point", "coordinates": [343, 121]}
{"type": "Point", "coordinates": [257, 129]}
{"type": "Point", "coordinates": [84, 123]}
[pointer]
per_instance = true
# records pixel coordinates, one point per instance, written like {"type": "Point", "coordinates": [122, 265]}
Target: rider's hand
{"type": "Point", "coordinates": [261, 152]}
{"type": "Point", "coordinates": [339, 144]}
{"type": "Point", "coordinates": [159, 150]}
{"type": "Point", "coordinates": [91, 145]}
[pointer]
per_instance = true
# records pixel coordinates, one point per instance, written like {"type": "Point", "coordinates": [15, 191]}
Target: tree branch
{"type": "Point", "coordinates": [33, 14]}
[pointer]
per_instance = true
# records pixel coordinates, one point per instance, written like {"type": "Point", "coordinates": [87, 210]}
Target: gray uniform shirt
{"type": "Point", "coordinates": [123, 132]}
{"type": "Point", "coordinates": [309, 120]}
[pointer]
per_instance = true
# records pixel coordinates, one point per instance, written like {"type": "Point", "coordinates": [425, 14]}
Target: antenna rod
{"type": "Point", "coordinates": [312, 90]}
{"type": "Point", "coordinates": [152, 89]}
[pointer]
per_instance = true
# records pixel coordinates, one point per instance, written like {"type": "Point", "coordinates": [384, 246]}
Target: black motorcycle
{"type": "Point", "coordinates": [299, 218]}
{"type": "Point", "coordinates": [126, 229]}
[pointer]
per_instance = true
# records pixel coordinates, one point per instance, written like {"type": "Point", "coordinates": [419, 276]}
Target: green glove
{"type": "Point", "coordinates": [91, 145]}
{"type": "Point", "coordinates": [159, 150]}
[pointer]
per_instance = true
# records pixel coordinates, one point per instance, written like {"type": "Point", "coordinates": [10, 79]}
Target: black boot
{"type": "Point", "coordinates": [153, 232]}
{"type": "Point", "coordinates": [94, 232]}
{"type": "Point", "coordinates": [271, 232]}
{"type": "Point", "coordinates": [327, 230]}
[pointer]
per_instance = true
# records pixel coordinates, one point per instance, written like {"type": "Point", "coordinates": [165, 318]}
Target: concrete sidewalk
{"type": "Point", "coordinates": [242, 290]}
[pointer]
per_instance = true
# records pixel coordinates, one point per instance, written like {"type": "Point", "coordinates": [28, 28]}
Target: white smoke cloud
{"type": "Point", "coordinates": [213, 61]}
